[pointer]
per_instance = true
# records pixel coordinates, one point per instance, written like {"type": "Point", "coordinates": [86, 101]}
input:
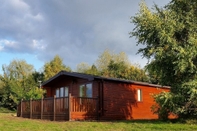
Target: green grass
{"type": "Point", "coordinates": [9, 122]}
{"type": "Point", "coordinates": [5, 110]}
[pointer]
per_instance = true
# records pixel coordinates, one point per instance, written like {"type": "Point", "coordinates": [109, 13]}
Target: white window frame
{"type": "Point", "coordinates": [139, 95]}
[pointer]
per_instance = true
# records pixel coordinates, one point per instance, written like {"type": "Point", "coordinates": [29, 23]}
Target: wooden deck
{"type": "Point", "coordinates": [59, 109]}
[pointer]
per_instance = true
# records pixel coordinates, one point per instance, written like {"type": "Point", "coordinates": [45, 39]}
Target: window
{"type": "Point", "coordinates": [139, 95]}
{"type": "Point", "coordinates": [66, 91]}
{"type": "Point", "coordinates": [62, 92]}
{"type": "Point", "coordinates": [85, 90]}
{"type": "Point", "coordinates": [89, 90]}
{"type": "Point", "coordinates": [57, 92]}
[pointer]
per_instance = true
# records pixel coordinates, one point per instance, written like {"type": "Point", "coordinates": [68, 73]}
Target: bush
{"type": "Point", "coordinates": [5, 110]}
{"type": "Point", "coordinates": [164, 105]}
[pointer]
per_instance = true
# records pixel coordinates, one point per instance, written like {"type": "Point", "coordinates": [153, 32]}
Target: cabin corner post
{"type": "Point", "coordinates": [54, 104]}
{"type": "Point", "coordinates": [30, 105]}
{"type": "Point", "coordinates": [69, 107]}
{"type": "Point", "coordinates": [21, 108]}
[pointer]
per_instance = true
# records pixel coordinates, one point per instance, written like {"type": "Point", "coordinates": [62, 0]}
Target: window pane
{"type": "Point", "coordinates": [57, 93]}
{"type": "Point", "coordinates": [89, 90]}
{"type": "Point", "coordinates": [82, 91]}
{"type": "Point", "coordinates": [139, 95]}
{"type": "Point", "coordinates": [66, 92]}
{"type": "Point", "coordinates": [61, 91]}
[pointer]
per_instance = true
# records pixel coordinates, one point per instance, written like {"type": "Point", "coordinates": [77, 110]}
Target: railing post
{"type": "Point", "coordinates": [69, 106]}
{"type": "Point", "coordinates": [54, 107]}
{"type": "Point", "coordinates": [41, 110]}
{"type": "Point", "coordinates": [21, 108]}
{"type": "Point", "coordinates": [30, 103]}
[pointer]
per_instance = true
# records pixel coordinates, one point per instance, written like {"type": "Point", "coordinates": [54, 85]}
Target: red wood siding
{"type": "Point", "coordinates": [48, 91]}
{"type": "Point", "coordinates": [117, 100]}
{"type": "Point", "coordinates": [74, 90]}
{"type": "Point", "coordinates": [120, 101]}
{"type": "Point", "coordinates": [142, 110]}
{"type": "Point", "coordinates": [73, 87]}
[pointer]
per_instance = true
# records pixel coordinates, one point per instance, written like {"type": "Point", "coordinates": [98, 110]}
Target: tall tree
{"type": "Point", "coordinates": [110, 64]}
{"type": "Point", "coordinates": [123, 71]}
{"type": "Point", "coordinates": [17, 83]}
{"type": "Point", "coordinates": [87, 69]}
{"type": "Point", "coordinates": [38, 77]}
{"type": "Point", "coordinates": [54, 66]}
{"type": "Point", "coordinates": [117, 65]}
{"type": "Point", "coordinates": [169, 38]}
{"type": "Point", "coordinates": [104, 59]}
{"type": "Point", "coordinates": [83, 67]}
{"type": "Point", "coordinates": [117, 70]}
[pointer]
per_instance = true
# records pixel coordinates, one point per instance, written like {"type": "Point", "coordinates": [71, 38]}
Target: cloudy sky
{"type": "Point", "coordinates": [76, 30]}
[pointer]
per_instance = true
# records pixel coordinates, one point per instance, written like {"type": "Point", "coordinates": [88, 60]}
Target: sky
{"type": "Point", "coordinates": [78, 31]}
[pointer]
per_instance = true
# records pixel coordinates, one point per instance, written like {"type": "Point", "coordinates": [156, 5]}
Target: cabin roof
{"type": "Point", "coordinates": [93, 77]}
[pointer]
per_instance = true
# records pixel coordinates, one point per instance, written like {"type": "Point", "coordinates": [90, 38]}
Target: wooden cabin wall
{"type": "Point", "coordinates": [117, 100]}
{"type": "Point", "coordinates": [120, 101]}
{"type": "Point", "coordinates": [143, 108]}
{"type": "Point", "coordinates": [73, 85]}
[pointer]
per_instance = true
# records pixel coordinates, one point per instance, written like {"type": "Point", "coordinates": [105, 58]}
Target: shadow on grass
{"type": "Point", "coordinates": [145, 121]}
{"type": "Point", "coordinates": [170, 121]}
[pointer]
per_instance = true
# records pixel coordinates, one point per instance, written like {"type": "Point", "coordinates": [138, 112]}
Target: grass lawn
{"type": "Point", "coordinates": [8, 122]}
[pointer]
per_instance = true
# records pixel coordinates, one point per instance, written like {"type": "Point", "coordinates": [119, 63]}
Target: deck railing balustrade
{"type": "Point", "coordinates": [61, 108]}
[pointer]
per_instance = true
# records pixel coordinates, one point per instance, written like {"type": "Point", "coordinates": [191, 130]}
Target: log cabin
{"type": "Point", "coordinates": [77, 96]}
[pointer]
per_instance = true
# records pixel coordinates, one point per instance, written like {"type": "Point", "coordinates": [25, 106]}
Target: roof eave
{"type": "Point", "coordinates": [88, 77]}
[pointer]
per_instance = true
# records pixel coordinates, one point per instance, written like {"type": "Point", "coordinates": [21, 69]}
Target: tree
{"type": "Point", "coordinates": [38, 77]}
{"type": "Point", "coordinates": [169, 38]}
{"type": "Point", "coordinates": [1, 92]}
{"type": "Point", "coordinates": [93, 70]}
{"type": "Point", "coordinates": [104, 59]}
{"type": "Point", "coordinates": [17, 82]}
{"type": "Point", "coordinates": [53, 67]}
{"type": "Point", "coordinates": [137, 74]}
{"type": "Point", "coordinates": [117, 70]}
{"type": "Point", "coordinates": [85, 68]}
{"type": "Point", "coordinates": [123, 71]}
{"type": "Point", "coordinates": [110, 64]}
{"type": "Point", "coordinates": [114, 65]}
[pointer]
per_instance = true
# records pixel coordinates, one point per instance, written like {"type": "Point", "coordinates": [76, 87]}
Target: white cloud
{"type": "Point", "coordinates": [76, 30]}
{"type": "Point", "coordinates": [38, 45]}
{"type": "Point", "coordinates": [1, 48]}
{"type": "Point", "coordinates": [18, 5]}
{"type": "Point", "coordinates": [8, 44]}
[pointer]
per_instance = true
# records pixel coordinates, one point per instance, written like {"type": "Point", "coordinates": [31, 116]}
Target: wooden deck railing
{"type": "Point", "coordinates": [57, 108]}
{"type": "Point", "coordinates": [82, 104]}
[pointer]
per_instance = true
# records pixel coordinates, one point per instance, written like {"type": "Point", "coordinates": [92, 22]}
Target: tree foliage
{"type": "Point", "coordinates": [107, 56]}
{"type": "Point", "coordinates": [169, 36]}
{"type": "Point", "coordinates": [87, 69]}
{"type": "Point", "coordinates": [123, 71]}
{"type": "Point", "coordinates": [117, 70]}
{"type": "Point", "coordinates": [110, 64]}
{"type": "Point", "coordinates": [54, 66]}
{"type": "Point", "coordinates": [164, 105]}
{"type": "Point", "coordinates": [17, 82]}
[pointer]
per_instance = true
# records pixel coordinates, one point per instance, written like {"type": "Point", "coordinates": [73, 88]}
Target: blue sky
{"type": "Point", "coordinates": [77, 31]}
